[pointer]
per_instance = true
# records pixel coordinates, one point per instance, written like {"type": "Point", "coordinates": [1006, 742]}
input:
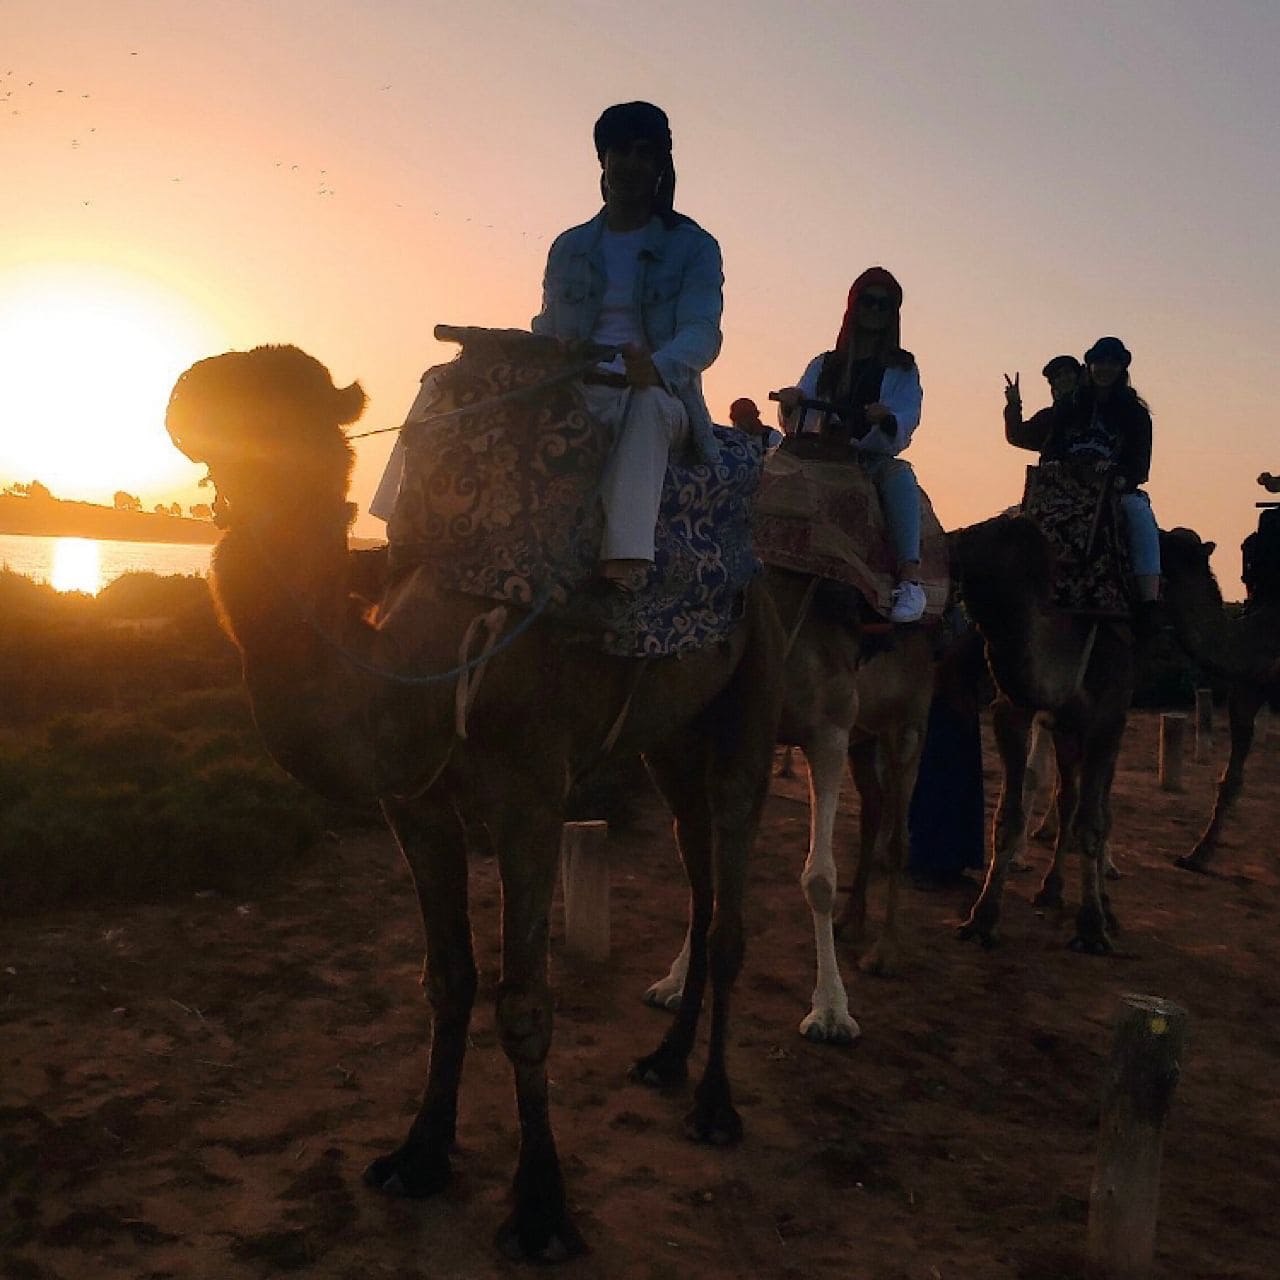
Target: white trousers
{"type": "Point", "coordinates": [653, 425]}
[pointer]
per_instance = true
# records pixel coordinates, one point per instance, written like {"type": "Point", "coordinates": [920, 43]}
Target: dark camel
{"type": "Point", "coordinates": [1245, 650]}
{"type": "Point", "coordinates": [268, 423]}
{"type": "Point", "coordinates": [1043, 659]}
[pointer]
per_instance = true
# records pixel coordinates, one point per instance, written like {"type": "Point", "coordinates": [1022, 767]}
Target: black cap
{"type": "Point", "coordinates": [1060, 362]}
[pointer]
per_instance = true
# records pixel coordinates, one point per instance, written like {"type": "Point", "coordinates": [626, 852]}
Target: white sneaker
{"type": "Point", "coordinates": [908, 602]}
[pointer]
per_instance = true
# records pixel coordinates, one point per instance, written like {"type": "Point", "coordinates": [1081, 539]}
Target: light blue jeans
{"type": "Point", "coordinates": [1142, 534]}
{"type": "Point", "coordinates": [895, 482]}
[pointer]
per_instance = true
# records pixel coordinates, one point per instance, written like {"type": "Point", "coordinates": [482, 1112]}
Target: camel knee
{"type": "Point", "coordinates": [819, 891]}
{"type": "Point", "coordinates": [524, 1019]}
{"type": "Point", "coordinates": [450, 992]}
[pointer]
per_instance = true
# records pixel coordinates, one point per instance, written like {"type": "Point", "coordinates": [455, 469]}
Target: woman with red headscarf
{"type": "Point", "coordinates": [876, 386]}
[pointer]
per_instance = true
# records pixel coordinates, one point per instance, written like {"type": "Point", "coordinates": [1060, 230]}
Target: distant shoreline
{"type": "Point", "coordinates": [55, 518]}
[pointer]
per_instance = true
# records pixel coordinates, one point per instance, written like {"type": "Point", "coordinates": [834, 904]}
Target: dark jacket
{"type": "Point", "coordinates": [1052, 431]}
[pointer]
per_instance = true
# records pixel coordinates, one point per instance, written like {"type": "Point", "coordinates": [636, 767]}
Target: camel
{"type": "Point", "coordinates": [843, 704]}
{"type": "Point", "coordinates": [1245, 650]}
{"type": "Point", "coordinates": [348, 702]}
{"type": "Point", "coordinates": [1046, 660]}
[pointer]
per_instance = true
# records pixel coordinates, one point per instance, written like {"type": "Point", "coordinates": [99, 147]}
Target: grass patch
{"type": "Point", "coordinates": [130, 767]}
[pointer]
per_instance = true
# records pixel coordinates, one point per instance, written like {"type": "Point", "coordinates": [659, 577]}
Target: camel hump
{"type": "Point", "coordinates": [825, 518]}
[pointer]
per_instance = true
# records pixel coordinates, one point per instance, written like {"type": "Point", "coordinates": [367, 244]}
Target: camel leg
{"type": "Point", "coordinates": [679, 770]}
{"type": "Point", "coordinates": [1038, 771]}
{"type": "Point", "coordinates": [666, 992]}
{"type": "Point", "coordinates": [1067, 750]}
{"type": "Point", "coordinates": [1091, 830]}
{"type": "Point", "coordinates": [1012, 725]}
{"type": "Point", "coordinates": [1243, 704]}
{"type": "Point", "coordinates": [851, 926]}
{"type": "Point", "coordinates": [434, 846]}
{"type": "Point", "coordinates": [901, 758]}
{"type": "Point", "coordinates": [539, 1228]}
{"type": "Point", "coordinates": [828, 1019]}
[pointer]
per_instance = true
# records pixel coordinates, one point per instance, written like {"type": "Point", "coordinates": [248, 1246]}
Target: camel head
{"type": "Point", "coordinates": [268, 424]}
{"type": "Point", "coordinates": [1184, 561]}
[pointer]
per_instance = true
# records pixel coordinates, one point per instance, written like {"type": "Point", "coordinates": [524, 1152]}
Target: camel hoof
{"type": "Point", "coordinates": [660, 1070]}
{"type": "Point", "coordinates": [407, 1176]}
{"type": "Point", "coordinates": [968, 931]}
{"type": "Point", "coordinates": [528, 1238]}
{"type": "Point", "coordinates": [830, 1027]}
{"type": "Point", "coordinates": [1092, 946]}
{"type": "Point", "coordinates": [664, 995]}
{"type": "Point", "coordinates": [1049, 898]}
{"type": "Point", "coordinates": [719, 1126]}
{"type": "Point", "coordinates": [1189, 862]}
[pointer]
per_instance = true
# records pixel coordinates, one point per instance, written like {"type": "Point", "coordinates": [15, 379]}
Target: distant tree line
{"type": "Point", "coordinates": [122, 501]}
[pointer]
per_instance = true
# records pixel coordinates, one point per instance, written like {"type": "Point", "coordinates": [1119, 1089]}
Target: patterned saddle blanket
{"type": "Point", "coordinates": [825, 518]}
{"type": "Point", "coordinates": [1078, 510]}
{"type": "Point", "coordinates": [503, 503]}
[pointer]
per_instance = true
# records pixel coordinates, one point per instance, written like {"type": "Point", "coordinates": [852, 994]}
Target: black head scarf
{"type": "Point", "coordinates": [629, 122]}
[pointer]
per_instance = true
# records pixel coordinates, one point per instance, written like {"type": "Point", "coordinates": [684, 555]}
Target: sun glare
{"type": "Point", "coordinates": [87, 360]}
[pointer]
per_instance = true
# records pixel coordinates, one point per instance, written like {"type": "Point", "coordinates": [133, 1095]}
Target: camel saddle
{"type": "Point", "coordinates": [500, 499]}
{"type": "Point", "coordinates": [1078, 509]}
{"type": "Point", "coordinates": [823, 517]}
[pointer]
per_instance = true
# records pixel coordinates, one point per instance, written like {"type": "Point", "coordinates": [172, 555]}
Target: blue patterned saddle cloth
{"type": "Point", "coordinates": [503, 503]}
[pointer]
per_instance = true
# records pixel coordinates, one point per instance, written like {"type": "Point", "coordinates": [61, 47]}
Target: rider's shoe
{"type": "Point", "coordinates": [908, 602]}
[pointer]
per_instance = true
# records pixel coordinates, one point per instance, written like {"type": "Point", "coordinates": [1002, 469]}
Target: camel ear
{"type": "Point", "coordinates": [1209, 548]}
{"type": "Point", "coordinates": [351, 402]}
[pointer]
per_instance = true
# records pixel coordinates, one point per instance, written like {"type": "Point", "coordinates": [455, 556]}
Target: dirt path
{"type": "Point", "coordinates": [191, 1090]}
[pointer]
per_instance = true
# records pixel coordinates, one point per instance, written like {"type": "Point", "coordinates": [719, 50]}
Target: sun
{"type": "Point", "coordinates": [87, 360]}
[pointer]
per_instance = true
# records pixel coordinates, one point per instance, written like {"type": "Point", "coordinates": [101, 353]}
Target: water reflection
{"type": "Point", "coordinates": [77, 566]}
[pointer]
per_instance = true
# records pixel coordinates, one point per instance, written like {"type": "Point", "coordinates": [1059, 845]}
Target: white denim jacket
{"type": "Point", "coordinates": [679, 300]}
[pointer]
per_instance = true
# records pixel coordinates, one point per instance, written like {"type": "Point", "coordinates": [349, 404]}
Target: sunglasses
{"type": "Point", "coordinates": [877, 302]}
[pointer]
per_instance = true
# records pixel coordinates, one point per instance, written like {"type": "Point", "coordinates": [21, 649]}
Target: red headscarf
{"type": "Point", "coordinates": [872, 277]}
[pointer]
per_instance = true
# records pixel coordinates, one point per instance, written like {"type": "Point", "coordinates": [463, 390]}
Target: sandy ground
{"type": "Point", "coordinates": [193, 1089]}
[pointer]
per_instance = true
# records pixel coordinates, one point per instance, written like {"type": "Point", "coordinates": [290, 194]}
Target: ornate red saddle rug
{"type": "Point", "coordinates": [825, 518]}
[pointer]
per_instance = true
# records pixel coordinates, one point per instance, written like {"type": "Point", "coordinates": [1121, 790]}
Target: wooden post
{"type": "Point", "coordinates": [1171, 726]}
{"type": "Point", "coordinates": [584, 874]}
{"type": "Point", "coordinates": [1204, 725]}
{"type": "Point", "coordinates": [1146, 1060]}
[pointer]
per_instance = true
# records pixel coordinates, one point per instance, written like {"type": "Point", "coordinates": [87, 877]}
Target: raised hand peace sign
{"type": "Point", "coordinates": [1012, 391]}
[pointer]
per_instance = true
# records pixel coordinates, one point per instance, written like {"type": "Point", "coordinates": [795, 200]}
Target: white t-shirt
{"type": "Point", "coordinates": [617, 323]}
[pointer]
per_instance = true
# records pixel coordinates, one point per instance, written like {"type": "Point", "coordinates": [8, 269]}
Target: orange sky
{"type": "Point", "coordinates": [346, 176]}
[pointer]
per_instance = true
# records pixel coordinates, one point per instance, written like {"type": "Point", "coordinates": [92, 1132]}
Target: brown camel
{"type": "Point", "coordinates": [1245, 650]}
{"type": "Point", "coordinates": [327, 679]}
{"type": "Point", "coordinates": [866, 706]}
{"type": "Point", "coordinates": [1045, 660]}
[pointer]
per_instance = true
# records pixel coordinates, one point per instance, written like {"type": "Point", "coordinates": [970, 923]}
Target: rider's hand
{"type": "Point", "coordinates": [1012, 391]}
{"type": "Point", "coordinates": [641, 371]}
{"type": "Point", "coordinates": [877, 413]}
{"type": "Point", "coordinates": [788, 399]}
{"type": "Point", "coordinates": [1269, 482]}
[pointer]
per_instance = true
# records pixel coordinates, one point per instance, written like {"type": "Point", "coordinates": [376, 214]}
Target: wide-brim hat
{"type": "Point", "coordinates": [1108, 349]}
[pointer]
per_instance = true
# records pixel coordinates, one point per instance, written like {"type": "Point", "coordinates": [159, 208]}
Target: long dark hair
{"type": "Point", "coordinates": [1123, 392]}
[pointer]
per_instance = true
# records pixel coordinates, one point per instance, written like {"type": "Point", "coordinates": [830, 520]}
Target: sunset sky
{"type": "Point", "coordinates": [184, 178]}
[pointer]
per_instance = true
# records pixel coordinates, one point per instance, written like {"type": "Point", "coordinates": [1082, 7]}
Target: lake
{"type": "Point", "coordinates": [88, 564]}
